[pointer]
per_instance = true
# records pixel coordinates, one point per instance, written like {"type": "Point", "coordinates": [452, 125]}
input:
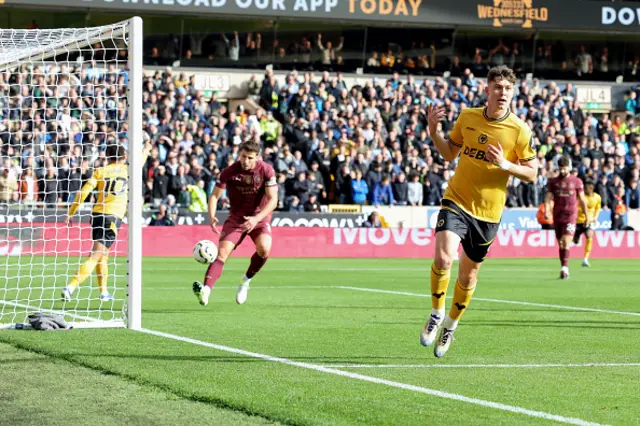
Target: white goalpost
{"type": "Point", "coordinates": [65, 95]}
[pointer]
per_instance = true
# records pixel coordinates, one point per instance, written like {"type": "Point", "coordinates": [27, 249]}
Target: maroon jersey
{"type": "Point", "coordinates": [565, 198]}
{"type": "Point", "coordinates": [246, 188]}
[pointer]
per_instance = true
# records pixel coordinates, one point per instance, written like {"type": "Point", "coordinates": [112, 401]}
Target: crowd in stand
{"type": "Point", "coordinates": [383, 55]}
{"type": "Point", "coordinates": [328, 142]}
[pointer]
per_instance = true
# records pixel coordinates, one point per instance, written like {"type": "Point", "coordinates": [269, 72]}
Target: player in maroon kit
{"type": "Point", "coordinates": [566, 192]}
{"type": "Point", "coordinates": [253, 194]}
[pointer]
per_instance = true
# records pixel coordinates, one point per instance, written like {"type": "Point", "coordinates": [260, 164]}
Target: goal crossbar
{"type": "Point", "coordinates": [39, 45]}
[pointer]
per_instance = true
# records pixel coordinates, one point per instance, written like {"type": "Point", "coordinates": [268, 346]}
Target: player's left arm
{"type": "Point", "coordinates": [526, 168]}
{"type": "Point", "coordinates": [87, 188]}
{"type": "Point", "coordinates": [271, 193]}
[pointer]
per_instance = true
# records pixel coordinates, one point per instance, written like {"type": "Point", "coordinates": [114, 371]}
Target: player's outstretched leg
{"type": "Point", "coordinates": [214, 271]}
{"type": "Point", "coordinates": [258, 260]}
{"type": "Point", "coordinates": [85, 270]}
{"type": "Point", "coordinates": [465, 286]}
{"type": "Point", "coordinates": [446, 246]}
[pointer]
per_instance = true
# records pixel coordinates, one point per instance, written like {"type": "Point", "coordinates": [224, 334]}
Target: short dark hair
{"type": "Point", "coordinates": [563, 162]}
{"type": "Point", "coordinates": [250, 146]}
{"type": "Point", "coordinates": [589, 182]}
{"type": "Point", "coordinates": [115, 153]}
{"type": "Point", "coordinates": [501, 72]}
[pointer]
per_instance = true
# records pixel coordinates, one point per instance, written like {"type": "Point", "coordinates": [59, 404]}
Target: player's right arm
{"type": "Point", "coordinates": [448, 148]}
{"type": "Point", "coordinates": [218, 190]}
{"type": "Point", "coordinates": [87, 188]}
{"type": "Point", "coordinates": [596, 210]}
{"type": "Point", "coordinates": [213, 207]}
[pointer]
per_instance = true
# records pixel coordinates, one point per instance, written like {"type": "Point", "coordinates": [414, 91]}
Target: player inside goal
{"type": "Point", "coordinates": [73, 113]}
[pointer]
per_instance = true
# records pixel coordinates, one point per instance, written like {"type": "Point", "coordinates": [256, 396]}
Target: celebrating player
{"type": "Point", "coordinates": [587, 220]}
{"type": "Point", "coordinates": [253, 195]}
{"type": "Point", "coordinates": [565, 191]}
{"type": "Point", "coordinates": [493, 144]}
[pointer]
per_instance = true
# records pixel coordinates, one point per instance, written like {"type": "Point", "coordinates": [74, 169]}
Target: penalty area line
{"type": "Point", "coordinates": [509, 302]}
{"type": "Point", "coordinates": [376, 380]}
{"type": "Point", "coordinates": [524, 366]}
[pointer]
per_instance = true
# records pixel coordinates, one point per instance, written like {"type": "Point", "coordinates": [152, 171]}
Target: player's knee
{"type": "Point", "coordinates": [222, 255]}
{"type": "Point", "coordinates": [443, 261]}
{"type": "Point", "coordinates": [468, 280]}
{"type": "Point", "coordinates": [263, 250]}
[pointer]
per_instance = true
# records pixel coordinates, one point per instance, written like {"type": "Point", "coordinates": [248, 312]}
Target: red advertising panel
{"type": "Point", "coordinates": [50, 239]}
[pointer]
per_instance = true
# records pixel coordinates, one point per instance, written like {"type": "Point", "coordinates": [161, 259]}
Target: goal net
{"type": "Point", "coordinates": [66, 95]}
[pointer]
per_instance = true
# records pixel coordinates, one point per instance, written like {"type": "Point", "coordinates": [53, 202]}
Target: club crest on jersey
{"type": "Point", "coordinates": [483, 139]}
{"type": "Point", "coordinates": [563, 185]}
{"type": "Point", "coordinates": [248, 180]}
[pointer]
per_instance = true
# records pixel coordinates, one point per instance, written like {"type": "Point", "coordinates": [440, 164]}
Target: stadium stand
{"type": "Point", "coordinates": [327, 141]}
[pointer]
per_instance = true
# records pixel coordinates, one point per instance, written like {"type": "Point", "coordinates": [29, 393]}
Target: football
{"type": "Point", "coordinates": [205, 251]}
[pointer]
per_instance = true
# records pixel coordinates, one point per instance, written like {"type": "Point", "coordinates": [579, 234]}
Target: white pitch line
{"type": "Point", "coordinates": [436, 366]}
{"type": "Point", "coordinates": [376, 380]}
{"type": "Point", "coordinates": [510, 302]}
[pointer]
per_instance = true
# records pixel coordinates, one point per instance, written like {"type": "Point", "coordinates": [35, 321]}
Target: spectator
{"type": "Point", "coordinates": [328, 51]}
{"type": "Point", "coordinates": [172, 208]}
{"type": "Point", "coordinates": [359, 188]}
{"type": "Point", "coordinates": [415, 192]}
{"type": "Point", "coordinates": [198, 197]}
{"type": "Point", "coordinates": [8, 184]}
{"type": "Point", "coordinates": [382, 194]}
{"type": "Point", "coordinates": [618, 209]}
{"type": "Point", "coordinates": [632, 195]}
{"type": "Point", "coordinates": [312, 205]}
{"type": "Point", "coordinates": [233, 46]}
{"type": "Point", "coordinates": [301, 188]}
{"type": "Point", "coordinates": [294, 205]}
{"type": "Point", "coordinates": [51, 188]}
{"type": "Point", "coordinates": [631, 105]}
{"type": "Point", "coordinates": [28, 187]}
{"type": "Point", "coordinates": [178, 186]}
{"type": "Point", "coordinates": [161, 218]}
{"type": "Point", "coordinates": [373, 221]}
{"type": "Point", "coordinates": [401, 190]}
{"type": "Point", "coordinates": [160, 186]}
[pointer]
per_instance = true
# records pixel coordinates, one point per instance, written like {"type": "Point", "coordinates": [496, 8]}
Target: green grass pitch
{"type": "Point", "coordinates": [571, 349]}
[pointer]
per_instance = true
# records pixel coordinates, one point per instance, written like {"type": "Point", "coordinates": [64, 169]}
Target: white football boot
{"type": "Point", "coordinates": [585, 263]}
{"type": "Point", "coordinates": [564, 273]}
{"type": "Point", "coordinates": [105, 297]}
{"type": "Point", "coordinates": [202, 292]}
{"type": "Point", "coordinates": [430, 330]}
{"type": "Point", "coordinates": [444, 342]}
{"type": "Point", "coordinates": [66, 294]}
{"type": "Point", "coordinates": [243, 290]}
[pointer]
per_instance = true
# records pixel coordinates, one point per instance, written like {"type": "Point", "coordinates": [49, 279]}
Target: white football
{"type": "Point", "coordinates": [205, 251]}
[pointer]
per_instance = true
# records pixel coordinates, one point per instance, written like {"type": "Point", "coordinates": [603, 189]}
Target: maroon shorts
{"type": "Point", "coordinates": [233, 230]}
{"type": "Point", "coordinates": [564, 228]}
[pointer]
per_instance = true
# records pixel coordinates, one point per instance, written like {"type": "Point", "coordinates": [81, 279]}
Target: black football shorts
{"type": "Point", "coordinates": [105, 228]}
{"type": "Point", "coordinates": [476, 235]}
